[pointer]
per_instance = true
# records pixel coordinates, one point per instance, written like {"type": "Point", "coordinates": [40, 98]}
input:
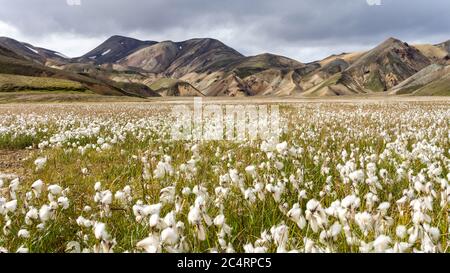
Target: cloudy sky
{"type": "Point", "coordinates": [302, 29]}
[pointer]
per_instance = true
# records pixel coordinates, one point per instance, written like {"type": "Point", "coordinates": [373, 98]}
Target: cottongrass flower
{"type": "Point", "coordinates": [31, 216]}
{"type": "Point", "coordinates": [169, 236]}
{"type": "Point", "coordinates": [45, 213]}
{"type": "Point", "coordinates": [23, 233]}
{"type": "Point", "coordinates": [10, 207]}
{"type": "Point", "coordinates": [381, 243]}
{"type": "Point", "coordinates": [296, 215]}
{"type": "Point", "coordinates": [37, 187]}
{"type": "Point", "coordinates": [22, 250]}
{"type": "Point", "coordinates": [40, 163]}
{"type": "Point", "coordinates": [100, 231]}
{"type": "Point", "coordinates": [315, 215]}
{"type": "Point", "coordinates": [150, 244]}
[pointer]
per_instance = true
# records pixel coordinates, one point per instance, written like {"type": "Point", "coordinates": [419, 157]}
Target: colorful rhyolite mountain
{"type": "Point", "coordinates": [207, 67]}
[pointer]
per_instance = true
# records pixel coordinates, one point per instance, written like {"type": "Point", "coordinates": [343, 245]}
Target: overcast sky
{"type": "Point", "coordinates": [305, 30]}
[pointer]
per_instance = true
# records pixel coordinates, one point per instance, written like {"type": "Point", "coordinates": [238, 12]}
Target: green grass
{"type": "Point", "coordinates": [20, 142]}
{"type": "Point", "coordinates": [438, 88]}
{"type": "Point", "coordinates": [163, 83]}
{"type": "Point", "coordinates": [408, 90]}
{"type": "Point", "coordinates": [374, 83]}
{"type": "Point", "coordinates": [18, 83]}
{"type": "Point", "coordinates": [46, 97]}
{"type": "Point", "coordinates": [244, 72]}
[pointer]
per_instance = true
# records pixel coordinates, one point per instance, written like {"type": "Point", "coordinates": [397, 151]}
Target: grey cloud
{"type": "Point", "coordinates": [252, 25]}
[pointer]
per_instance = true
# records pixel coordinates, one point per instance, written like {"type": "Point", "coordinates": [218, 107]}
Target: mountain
{"type": "Point", "coordinates": [385, 66]}
{"type": "Point", "coordinates": [445, 46]}
{"type": "Point", "coordinates": [324, 71]}
{"type": "Point", "coordinates": [212, 68]}
{"type": "Point", "coordinates": [264, 74]}
{"type": "Point", "coordinates": [250, 65]}
{"type": "Point", "coordinates": [208, 67]}
{"type": "Point", "coordinates": [32, 53]}
{"type": "Point", "coordinates": [154, 59]}
{"type": "Point", "coordinates": [22, 49]}
{"type": "Point", "coordinates": [202, 55]}
{"type": "Point", "coordinates": [268, 74]}
{"type": "Point", "coordinates": [436, 53]}
{"type": "Point", "coordinates": [13, 64]}
{"type": "Point", "coordinates": [376, 70]}
{"type": "Point", "coordinates": [113, 49]}
{"type": "Point", "coordinates": [176, 59]}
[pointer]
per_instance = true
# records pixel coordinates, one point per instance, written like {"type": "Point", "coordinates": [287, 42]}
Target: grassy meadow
{"type": "Point", "coordinates": [342, 177]}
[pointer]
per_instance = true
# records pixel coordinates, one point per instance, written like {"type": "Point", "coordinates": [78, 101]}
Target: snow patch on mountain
{"type": "Point", "coordinates": [106, 52]}
{"type": "Point", "coordinates": [61, 55]}
{"type": "Point", "coordinates": [32, 49]}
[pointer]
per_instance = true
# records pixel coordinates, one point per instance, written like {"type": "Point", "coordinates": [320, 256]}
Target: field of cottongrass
{"type": "Point", "coordinates": [343, 177]}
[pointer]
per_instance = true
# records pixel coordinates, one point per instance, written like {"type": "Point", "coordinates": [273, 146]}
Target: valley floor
{"type": "Point", "coordinates": [83, 97]}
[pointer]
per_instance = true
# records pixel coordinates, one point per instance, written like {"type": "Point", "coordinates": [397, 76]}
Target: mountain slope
{"type": "Point", "coordinates": [439, 87]}
{"type": "Point", "coordinates": [14, 64]}
{"type": "Point", "coordinates": [445, 46]}
{"type": "Point", "coordinates": [32, 53]}
{"type": "Point", "coordinates": [323, 72]}
{"type": "Point", "coordinates": [260, 75]}
{"type": "Point", "coordinates": [347, 57]}
{"type": "Point", "coordinates": [274, 82]}
{"type": "Point", "coordinates": [113, 49]}
{"type": "Point", "coordinates": [385, 66]}
{"type": "Point", "coordinates": [22, 49]}
{"type": "Point", "coordinates": [170, 87]}
{"type": "Point", "coordinates": [430, 78]}
{"type": "Point", "coordinates": [255, 64]}
{"type": "Point", "coordinates": [435, 53]}
{"type": "Point", "coordinates": [5, 52]}
{"type": "Point", "coordinates": [202, 55]}
{"type": "Point", "coordinates": [176, 59]}
{"type": "Point", "coordinates": [154, 59]}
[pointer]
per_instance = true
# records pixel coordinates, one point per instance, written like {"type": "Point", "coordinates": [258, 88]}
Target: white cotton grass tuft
{"type": "Point", "coordinates": [100, 231]}
{"type": "Point", "coordinates": [37, 187]}
{"type": "Point", "coordinates": [55, 189]}
{"type": "Point", "coordinates": [45, 213]}
{"type": "Point", "coordinates": [23, 233]}
{"type": "Point", "coordinates": [10, 206]}
{"type": "Point", "coordinates": [40, 163]}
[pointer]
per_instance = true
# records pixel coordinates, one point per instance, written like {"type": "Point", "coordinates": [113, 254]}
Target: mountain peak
{"type": "Point", "coordinates": [23, 49]}
{"type": "Point", "coordinates": [391, 42]}
{"type": "Point", "coordinates": [387, 65]}
{"type": "Point", "coordinates": [116, 38]}
{"type": "Point", "coordinates": [114, 48]}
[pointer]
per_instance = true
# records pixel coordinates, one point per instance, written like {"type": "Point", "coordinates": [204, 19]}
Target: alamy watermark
{"type": "Point", "coordinates": [73, 2]}
{"type": "Point", "coordinates": [374, 2]}
{"type": "Point", "coordinates": [369, 2]}
{"type": "Point", "coordinates": [225, 122]}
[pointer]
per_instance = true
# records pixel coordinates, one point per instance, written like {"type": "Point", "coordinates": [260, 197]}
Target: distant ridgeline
{"type": "Point", "coordinates": [123, 66]}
